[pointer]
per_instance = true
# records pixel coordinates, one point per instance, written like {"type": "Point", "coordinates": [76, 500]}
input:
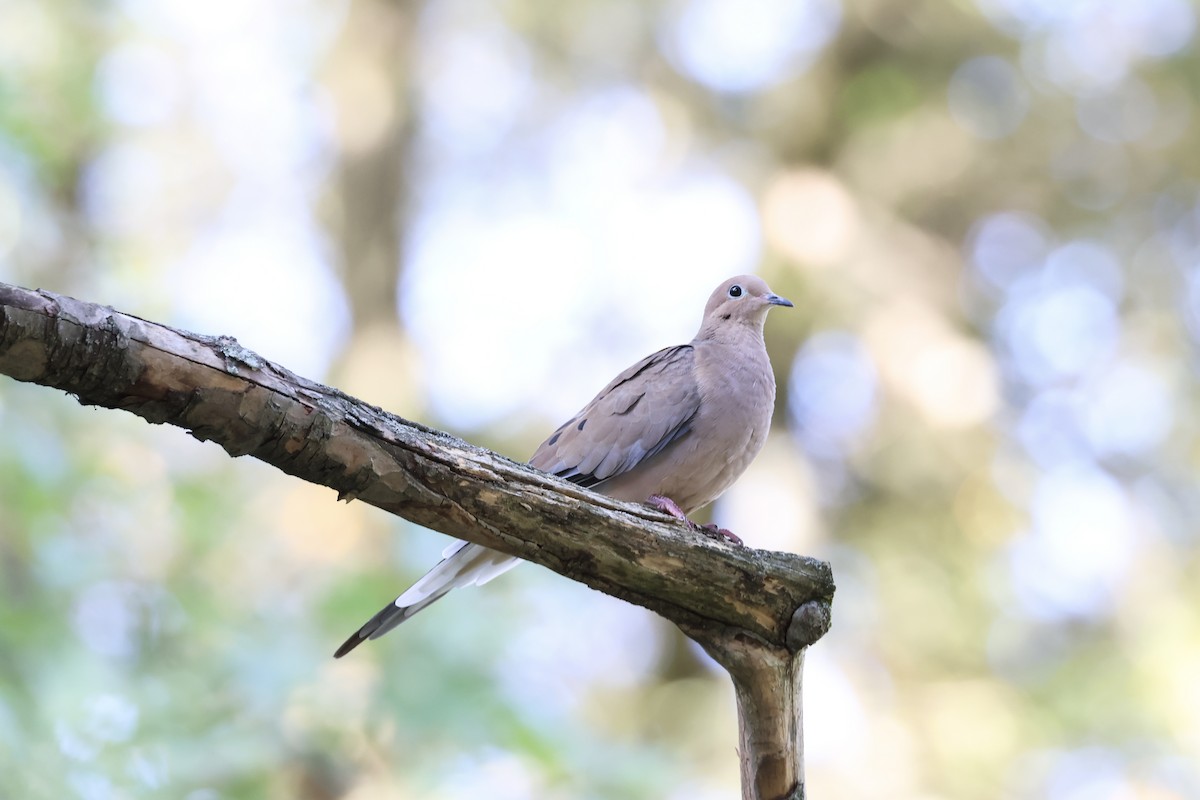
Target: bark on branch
{"type": "Point", "coordinates": [754, 611]}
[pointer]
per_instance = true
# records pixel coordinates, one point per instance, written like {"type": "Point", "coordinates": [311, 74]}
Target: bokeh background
{"type": "Point", "coordinates": [474, 213]}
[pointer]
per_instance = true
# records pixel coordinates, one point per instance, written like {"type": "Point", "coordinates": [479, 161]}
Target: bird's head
{"type": "Point", "coordinates": [740, 301]}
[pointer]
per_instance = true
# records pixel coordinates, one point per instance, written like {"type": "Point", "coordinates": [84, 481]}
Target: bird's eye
{"type": "Point", "coordinates": [735, 291]}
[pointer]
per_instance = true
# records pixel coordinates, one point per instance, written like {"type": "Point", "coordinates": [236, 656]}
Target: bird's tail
{"type": "Point", "coordinates": [462, 564]}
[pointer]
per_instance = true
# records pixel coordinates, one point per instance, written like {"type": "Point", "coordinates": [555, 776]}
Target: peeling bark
{"type": "Point", "coordinates": [754, 611]}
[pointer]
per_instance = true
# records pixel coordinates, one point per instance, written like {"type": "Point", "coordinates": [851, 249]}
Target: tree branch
{"type": "Point", "coordinates": [740, 604]}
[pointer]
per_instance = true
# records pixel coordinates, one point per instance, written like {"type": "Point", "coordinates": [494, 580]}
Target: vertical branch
{"type": "Point", "coordinates": [770, 731]}
{"type": "Point", "coordinates": [768, 680]}
{"type": "Point", "coordinates": [368, 76]}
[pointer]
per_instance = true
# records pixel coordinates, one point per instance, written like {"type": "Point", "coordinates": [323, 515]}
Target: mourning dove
{"type": "Point", "coordinates": [675, 430]}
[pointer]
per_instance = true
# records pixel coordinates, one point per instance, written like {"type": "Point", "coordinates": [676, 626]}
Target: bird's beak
{"type": "Point", "coordinates": [776, 300]}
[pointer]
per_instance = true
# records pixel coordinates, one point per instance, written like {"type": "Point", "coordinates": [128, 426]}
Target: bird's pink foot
{"type": "Point", "coordinates": [669, 506]}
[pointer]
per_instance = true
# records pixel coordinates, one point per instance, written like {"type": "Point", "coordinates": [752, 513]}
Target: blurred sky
{"type": "Point", "coordinates": [997, 300]}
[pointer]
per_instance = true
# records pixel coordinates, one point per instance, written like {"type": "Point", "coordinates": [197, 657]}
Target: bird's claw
{"type": "Point", "coordinates": [720, 534]}
{"type": "Point", "coordinates": [667, 506]}
{"type": "Point", "coordinates": [712, 531]}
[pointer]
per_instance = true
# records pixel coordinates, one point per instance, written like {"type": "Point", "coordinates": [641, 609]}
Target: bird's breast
{"type": "Point", "coordinates": [738, 397]}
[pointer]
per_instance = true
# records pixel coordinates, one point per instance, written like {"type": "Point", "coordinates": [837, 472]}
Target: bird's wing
{"type": "Point", "coordinates": [644, 409]}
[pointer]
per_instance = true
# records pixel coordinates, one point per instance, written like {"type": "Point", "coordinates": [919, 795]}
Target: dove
{"type": "Point", "coordinates": [674, 431]}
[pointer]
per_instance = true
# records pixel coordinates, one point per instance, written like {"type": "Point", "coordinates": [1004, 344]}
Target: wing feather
{"type": "Point", "coordinates": [644, 409]}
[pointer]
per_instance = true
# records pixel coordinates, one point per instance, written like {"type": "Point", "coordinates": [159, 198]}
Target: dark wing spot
{"type": "Point", "coordinates": [563, 427]}
{"type": "Point", "coordinates": [726, 316]}
{"type": "Point", "coordinates": [554, 438]}
{"type": "Point", "coordinates": [582, 422]}
{"type": "Point", "coordinates": [586, 481]}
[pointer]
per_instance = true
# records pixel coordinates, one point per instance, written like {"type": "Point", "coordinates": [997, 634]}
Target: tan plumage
{"type": "Point", "coordinates": [677, 428]}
